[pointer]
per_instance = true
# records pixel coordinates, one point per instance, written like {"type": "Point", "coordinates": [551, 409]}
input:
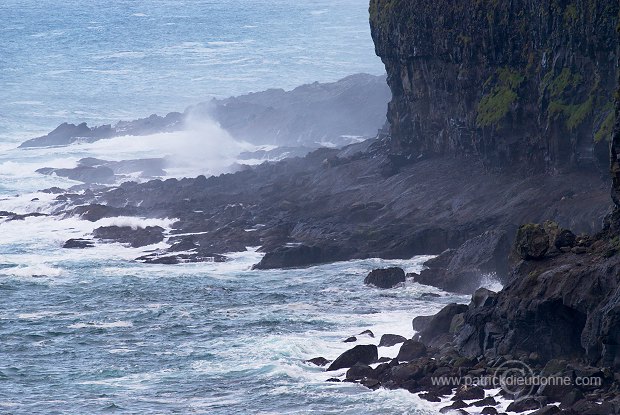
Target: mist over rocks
{"type": "Point", "coordinates": [333, 114]}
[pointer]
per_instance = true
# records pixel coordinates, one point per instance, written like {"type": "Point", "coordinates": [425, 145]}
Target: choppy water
{"type": "Point", "coordinates": [92, 332]}
{"type": "Point", "coordinates": [110, 336]}
{"type": "Point", "coordinates": [104, 60]}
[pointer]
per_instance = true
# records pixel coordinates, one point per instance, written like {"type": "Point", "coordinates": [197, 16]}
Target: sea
{"type": "Point", "coordinates": [95, 332]}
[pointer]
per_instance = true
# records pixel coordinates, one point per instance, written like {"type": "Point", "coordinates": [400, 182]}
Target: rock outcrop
{"type": "Point", "coordinates": [518, 84]}
{"type": "Point", "coordinates": [385, 278]}
{"type": "Point", "coordinates": [334, 113]}
{"type": "Point", "coordinates": [465, 269]}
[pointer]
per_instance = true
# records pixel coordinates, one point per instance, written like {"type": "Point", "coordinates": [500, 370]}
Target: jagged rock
{"type": "Point", "coordinates": [388, 340]}
{"type": "Point", "coordinates": [364, 354]}
{"type": "Point", "coordinates": [368, 333]}
{"type": "Point", "coordinates": [411, 350]}
{"type": "Point", "coordinates": [385, 278]}
{"type": "Point", "coordinates": [489, 410]}
{"type": "Point", "coordinates": [351, 339]}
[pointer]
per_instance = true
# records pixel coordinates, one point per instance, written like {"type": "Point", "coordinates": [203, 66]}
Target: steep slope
{"type": "Point", "coordinates": [524, 83]}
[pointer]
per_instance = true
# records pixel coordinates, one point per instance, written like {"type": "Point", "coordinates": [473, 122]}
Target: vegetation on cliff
{"type": "Point", "coordinates": [516, 83]}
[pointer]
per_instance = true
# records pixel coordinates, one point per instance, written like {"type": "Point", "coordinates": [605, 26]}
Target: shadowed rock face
{"type": "Point", "coordinates": [519, 84]}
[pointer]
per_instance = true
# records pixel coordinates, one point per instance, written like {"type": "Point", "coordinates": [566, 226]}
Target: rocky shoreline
{"type": "Point", "coordinates": [555, 324]}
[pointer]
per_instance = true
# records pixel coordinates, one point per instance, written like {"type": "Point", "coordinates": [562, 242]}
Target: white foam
{"type": "Point", "coordinates": [100, 325]}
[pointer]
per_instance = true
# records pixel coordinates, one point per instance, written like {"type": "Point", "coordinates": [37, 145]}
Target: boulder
{"type": "Point", "coordinates": [411, 350]}
{"type": "Point", "coordinates": [389, 340]}
{"type": "Point", "coordinates": [364, 354]}
{"type": "Point", "coordinates": [532, 242]}
{"type": "Point", "coordinates": [468, 393]}
{"type": "Point", "coordinates": [385, 278]}
{"type": "Point", "coordinates": [360, 371]}
{"type": "Point", "coordinates": [524, 404]}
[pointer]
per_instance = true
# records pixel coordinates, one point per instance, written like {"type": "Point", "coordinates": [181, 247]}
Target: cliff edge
{"type": "Point", "coordinates": [520, 84]}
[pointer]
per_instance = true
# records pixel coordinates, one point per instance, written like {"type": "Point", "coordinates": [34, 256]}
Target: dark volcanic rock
{"type": "Point", "coordinates": [78, 244]}
{"type": "Point", "coordinates": [385, 278]}
{"type": "Point", "coordinates": [463, 270]}
{"type": "Point", "coordinates": [466, 393]}
{"type": "Point", "coordinates": [85, 174]}
{"type": "Point", "coordinates": [547, 410]}
{"type": "Point", "coordinates": [480, 82]}
{"type": "Point", "coordinates": [306, 116]}
{"type": "Point", "coordinates": [360, 371]}
{"type": "Point", "coordinates": [299, 256]}
{"type": "Point", "coordinates": [318, 361]}
{"type": "Point", "coordinates": [388, 340]}
{"type": "Point", "coordinates": [532, 242]}
{"type": "Point", "coordinates": [525, 404]}
{"type": "Point", "coordinates": [135, 237]}
{"type": "Point", "coordinates": [68, 133]}
{"type": "Point", "coordinates": [411, 350]}
{"type": "Point", "coordinates": [364, 354]}
{"type": "Point", "coordinates": [435, 330]}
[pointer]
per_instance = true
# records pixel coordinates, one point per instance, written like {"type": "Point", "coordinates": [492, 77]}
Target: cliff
{"type": "Point", "coordinates": [524, 83]}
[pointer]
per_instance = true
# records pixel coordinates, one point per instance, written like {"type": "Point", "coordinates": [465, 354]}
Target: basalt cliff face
{"type": "Point", "coordinates": [519, 84]}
